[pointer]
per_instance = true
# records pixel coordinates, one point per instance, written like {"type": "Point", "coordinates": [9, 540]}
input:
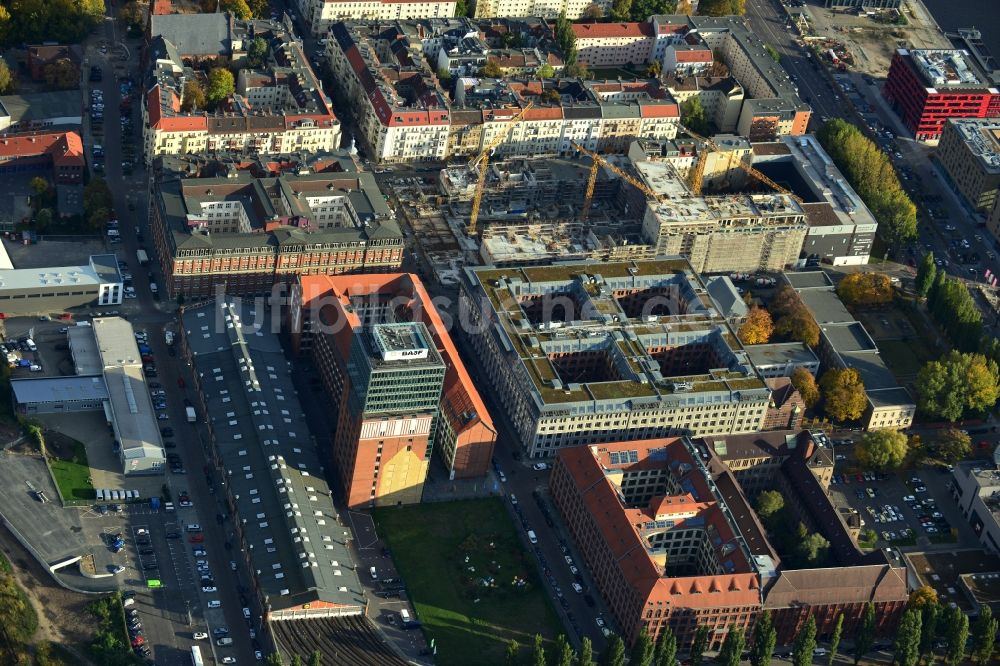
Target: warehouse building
{"type": "Point", "coordinates": [59, 395]}
{"type": "Point", "coordinates": [34, 291]}
{"type": "Point", "coordinates": [287, 530]}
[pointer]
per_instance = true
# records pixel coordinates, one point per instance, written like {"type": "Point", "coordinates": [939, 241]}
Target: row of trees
{"type": "Point", "coordinates": [873, 176]}
{"type": "Point", "coordinates": [37, 21]}
{"type": "Point", "coordinates": [952, 307]}
{"type": "Point", "coordinates": [722, 7]}
{"type": "Point", "coordinates": [644, 652]}
{"type": "Point", "coordinates": [640, 10]}
{"type": "Point", "coordinates": [315, 659]}
{"type": "Point", "coordinates": [927, 622]}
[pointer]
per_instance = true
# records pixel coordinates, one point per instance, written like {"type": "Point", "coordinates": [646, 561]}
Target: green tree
{"type": "Point", "coordinates": [6, 79]}
{"type": "Point", "coordinates": [194, 96]}
{"type": "Point", "coordinates": [593, 12]}
{"type": "Point", "coordinates": [316, 658]}
{"type": "Point", "coordinates": [132, 16]}
{"type": "Point", "coordinates": [642, 649]}
{"type": "Point", "coordinates": [238, 8]}
{"type": "Point", "coordinates": [757, 328]}
{"type": "Point", "coordinates": [621, 10]}
{"type": "Point", "coordinates": [296, 660]}
{"type": "Point", "coordinates": [924, 595]}
{"type": "Point", "coordinates": [798, 326]}
{"type": "Point", "coordinates": [930, 614]}
{"type": "Point", "coordinates": [865, 289]}
{"type": "Point", "coordinates": [257, 52]}
{"type": "Point", "coordinates": [732, 647]}
{"type": "Point", "coordinates": [563, 652]}
{"type": "Point", "coordinates": [666, 648]}
{"type": "Point", "coordinates": [654, 69]}
{"type": "Point", "coordinates": [769, 503]}
{"type": "Point", "coordinates": [957, 383]}
{"type": "Point", "coordinates": [844, 397]}
{"type": "Point", "coordinates": [804, 643]}
{"type": "Point", "coordinates": [835, 639]}
{"type": "Point", "coordinates": [882, 449]}
{"type": "Point", "coordinates": [953, 308]}
{"type": "Point", "coordinates": [538, 651]}
{"type": "Point", "coordinates": [806, 385]}
{"type": "Point", "coordinates": [62, 74]}
{"type": "Point", "coordinates": [274, 659]}
{"type": "Point", "coordinates": [586, 657]}
{"type": "Point", "coordinates": [39, 185]}
{"type": "Point", "coordinates": [693, 115]}
{"type": "Point", "coordinates": [698, 645]}
{"type": "Point", "coordinates": [513, 655]}
{"type": "Point", "coordinates": [258, 7]}
{"type": "Point", "coordinates": [96, 195]}
{"type": "Point", "coordinates": [461, 8]}
{"type": "Point", "coordinates": [812, 549]}
{"type": "Point", "coordinates": [773, 52]}
{"type": "Point", "coordinates": [492, 69]}
{"type": "Point", "coordinates": [984, 635]}
{"type": "Point", "coordinates": [956, 633]}
{"type": "Point", "coordinates": [764, 639]}
{"type": "Point", "coordinates": [926, 273]}
{"type": "Point", "coordinates": [545, 72]}
{"type": "Point", "coordinates": [953, 445]}
{"type": "Point", "coordinates": [721, 7]}
{"type": "Point", "coordinates": [907, 645]}
{"type": "Point", "coordinates": [220, 86]}
{"type": "Point", "coordinates": [614, 652]}
{"type": "Point", "coordinates": [866, 634]}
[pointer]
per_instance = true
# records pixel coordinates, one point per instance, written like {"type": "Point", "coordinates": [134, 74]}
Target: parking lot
{"type": "Point", "coordinates": [907, 511]}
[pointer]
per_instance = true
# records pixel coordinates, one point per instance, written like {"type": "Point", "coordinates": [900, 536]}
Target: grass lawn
{"type": "Point", "coordinates": [73, 475]}
{"type": "Point", "coordinates": [434, 547]}
{"type": "Point", "coordinates": [901, 356]}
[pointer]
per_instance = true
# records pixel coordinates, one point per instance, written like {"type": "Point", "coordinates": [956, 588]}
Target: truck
{"type": "Point", "coordinates": [142, 257]}
{"type": "Point", "coordinates": [191, 415]}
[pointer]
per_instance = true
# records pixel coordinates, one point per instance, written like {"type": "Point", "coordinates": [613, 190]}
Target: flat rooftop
{"type": "Point", "coordinates": [294, 536]}
{"type": "Point", "coordinates": [808, 279]}
{"type": "Point", "coordinates": [83, 348]}
{"type": "Point", "coordinates": [62, 107]}
{"type": "Point", "coordinates": [943, 570]}
{"type": "Point", "coordinates": [848, 337]}
{"type": "Point", "coordinates": [874, 372]}
{"type": "Point", "coordinates": [53, 278]}
{"type": "Point", "coordinates": [825, 306]}
{"type": "Point", "coordinates": [982, 139]}
{"type": "Point", "coordinates": [781, 353]}
{"type": "Point", "coordinates": [946, 68]}
{"type": "Point", "coordinates": [59, 389]}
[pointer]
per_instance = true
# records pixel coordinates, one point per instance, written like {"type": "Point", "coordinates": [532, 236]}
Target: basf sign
{"type": "Point", "coordinates": [404, 354]}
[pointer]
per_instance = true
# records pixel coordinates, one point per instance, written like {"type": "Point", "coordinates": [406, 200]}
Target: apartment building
{"type": "Point", "coordinates": [969, 151]}
{"type": "Point", "coordinates": [328, 312]}
{"type": "Point", "coordinates": [581, 353]}
{"type": "Point", "coordinates": [321, 15]}
{"type": "Point", "coordinates": [551, 9]}
{"type": "Point", "coordinates": [244, 226]}
{"type": "Point", "coordinates": [929, 86]}
{"type": "Point", "coordinates": [278, 107]}
{"type": "Point", "coordinates": [772, 108]}
{"type": "Point", "coordinates": [668, 532]}
{"type": "Point", "coordinates": [613, 44]}
{"type": "Point", "coordinates": [404, 114]}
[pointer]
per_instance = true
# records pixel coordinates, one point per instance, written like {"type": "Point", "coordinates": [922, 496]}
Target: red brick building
{"type": "Point", "coordinates": [378, 462]}
{"type": "Point", "coordinates": [58, 152]}
{"type": "Point", "coordinates": [926, 87]}
{"type": "Point", "coordinates": [670, 537]}
{"type": "Point", "coordinates": [787, 407]}
{"type": "Point", "coordinates": [41, 56]}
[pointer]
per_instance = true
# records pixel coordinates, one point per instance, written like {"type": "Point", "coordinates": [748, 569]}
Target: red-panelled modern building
{"type": "Point", "coordinates": [400, 392]}
{"type": "Point", "coordinates": [927, 87]}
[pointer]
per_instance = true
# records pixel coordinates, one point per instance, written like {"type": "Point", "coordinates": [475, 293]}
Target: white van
{"type": "Point", "coordinates": [100, 494]}
{"type": "Point", "coordinates": [531, 536]}
{"type": "Point", "coordinates": [223, 642]}
{"type": "Point", "coordinates": [371, 570]}
{"type": "Point", "coordinates": [405, 615]}
{"type": "Point", "coordinates": [34, 367]}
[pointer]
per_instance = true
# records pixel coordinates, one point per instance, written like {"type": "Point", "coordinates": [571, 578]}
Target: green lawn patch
{"type": "Point", "coordinates": [472, 584]}
{"type": "Point", "coordinates": [901, 356]}
{"type": "Point", "coordinates": [72, 474]}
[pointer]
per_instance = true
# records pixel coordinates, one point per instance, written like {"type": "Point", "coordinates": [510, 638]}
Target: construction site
{"type": "Point", "coordinates": [700, 198]}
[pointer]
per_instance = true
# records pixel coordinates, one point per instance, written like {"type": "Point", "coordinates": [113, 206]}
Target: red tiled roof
{"type": "Point", "coordinates": [700, 55]}
{"type": "Point", "coordinates": [607, 30]}
{"type": "Point", "coordinates": [66, 148]}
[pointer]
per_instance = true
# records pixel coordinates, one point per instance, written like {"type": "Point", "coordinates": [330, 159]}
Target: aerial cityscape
{"type": "Point", "coordinates": [499, 332]}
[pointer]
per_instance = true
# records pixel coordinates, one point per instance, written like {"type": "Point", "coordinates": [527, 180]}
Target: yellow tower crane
{"type": "Point", "coordinates": [597, 163]}
{"type": "Point", "coordinates": [483, 161]}
{"type": "Point", "coordinates": [698, 172]}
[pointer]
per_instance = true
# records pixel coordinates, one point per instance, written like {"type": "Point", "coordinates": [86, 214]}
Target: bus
{"type": "Point", "coordinates": [196, 656]}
